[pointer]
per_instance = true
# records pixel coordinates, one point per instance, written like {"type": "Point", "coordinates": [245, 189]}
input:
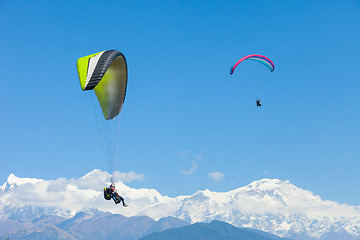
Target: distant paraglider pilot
{"type": "Point", "coordinates": [258, 103]}
{"type": "Point", "coordinates": [111, 193]}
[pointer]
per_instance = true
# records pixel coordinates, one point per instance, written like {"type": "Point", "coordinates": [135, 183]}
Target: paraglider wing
{"type": "Point", "coordinates": [105, 73]}
{"type": "Point", "coordinates": [255, 57]}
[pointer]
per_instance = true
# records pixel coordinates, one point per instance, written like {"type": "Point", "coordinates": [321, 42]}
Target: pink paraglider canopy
{"type": "Point", "coordinates": [255, 57]}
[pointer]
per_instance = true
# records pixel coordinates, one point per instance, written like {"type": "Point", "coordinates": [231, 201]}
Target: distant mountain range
{"type": "Point", "coordinates": [211, 231]}
{"type": "Point", "coordinates": [107, 226]}
{"type": "Point", "coordinates": [89, 226]}
{"type": "Point", "coordinates": [269, 205]}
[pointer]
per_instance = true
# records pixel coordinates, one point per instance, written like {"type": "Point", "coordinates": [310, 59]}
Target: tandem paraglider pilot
{"type": "Point", "coordinates": [111, 193]}
{"type": "Point", "coordinates": [258, 103]}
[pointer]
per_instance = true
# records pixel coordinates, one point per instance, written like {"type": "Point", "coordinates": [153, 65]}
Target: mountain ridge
{"type": "Point", "coordinates": [211, 231]}
{"type": "Point", "coordinates": [270, 205]}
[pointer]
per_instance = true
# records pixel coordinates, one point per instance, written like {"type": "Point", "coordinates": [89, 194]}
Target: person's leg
{"type": "Point", "coordinates": [115, 199]}
{"type": "Point", "coordinates": [122, 200]}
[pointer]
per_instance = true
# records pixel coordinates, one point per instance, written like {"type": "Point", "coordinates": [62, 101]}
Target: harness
{"type": "Point", "coordinates": [107, 195]}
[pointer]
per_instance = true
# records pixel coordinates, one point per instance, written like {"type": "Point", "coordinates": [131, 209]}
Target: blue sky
{"type": "Point", "coordinates": [182, 108]}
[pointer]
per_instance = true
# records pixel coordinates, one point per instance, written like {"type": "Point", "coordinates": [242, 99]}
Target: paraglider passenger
{"type": "Point", "coordinates": [258, 103]}
{"type": "Point", "coordinates": [111, 191]}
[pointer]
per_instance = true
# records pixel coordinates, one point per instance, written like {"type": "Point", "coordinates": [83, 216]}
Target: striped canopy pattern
{"type": "Point", "coordinates": [106, 73]}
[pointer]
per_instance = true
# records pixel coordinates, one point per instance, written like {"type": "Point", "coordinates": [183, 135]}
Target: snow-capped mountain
{"type": "Point", "coordinates": [269, 205]}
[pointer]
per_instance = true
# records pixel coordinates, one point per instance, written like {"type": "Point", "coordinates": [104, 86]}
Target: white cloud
{"type": "Point", "coordinates": [184, 154]}
{"type": "Point", "coordinates": [71, 195]}
{"type": "Point", "coordinates": [129, 176]}
{"type": "Point", "coordinates": [193, 168]}
{"type": "Point", "coordinates": [216, 176]}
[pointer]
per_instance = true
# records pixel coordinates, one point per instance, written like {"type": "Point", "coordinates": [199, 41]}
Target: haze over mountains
{"type": "Point", "coordinates": [270, 205]}
{"type": "Point", "coordinates": [94, 226]}
{"type": "Point", "coordinates": [211, 231]}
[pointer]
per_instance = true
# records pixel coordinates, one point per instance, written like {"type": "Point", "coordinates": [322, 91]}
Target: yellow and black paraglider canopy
{"type": "Point", "coordinates": [105, 73]}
